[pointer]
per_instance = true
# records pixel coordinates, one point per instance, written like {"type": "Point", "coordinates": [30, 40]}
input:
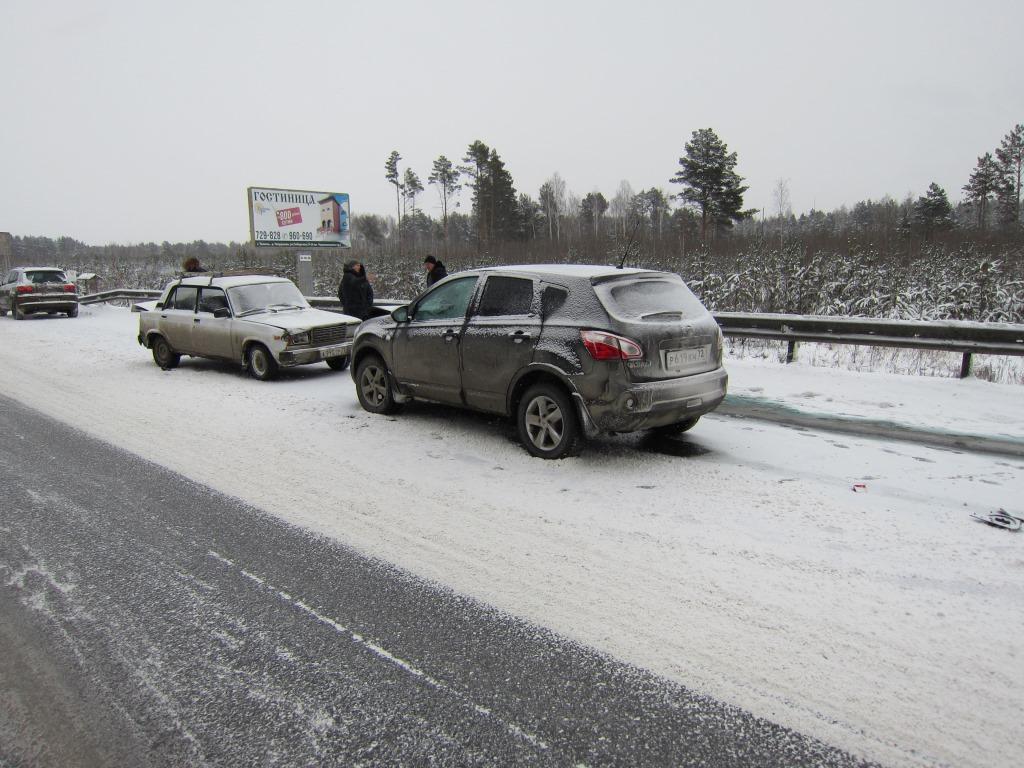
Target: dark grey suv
{"type": "Point", "coordinates": [566, 350]}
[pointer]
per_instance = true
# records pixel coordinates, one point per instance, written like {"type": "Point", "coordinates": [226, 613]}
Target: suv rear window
{"type": "Point", "coordinates": [650, 299]}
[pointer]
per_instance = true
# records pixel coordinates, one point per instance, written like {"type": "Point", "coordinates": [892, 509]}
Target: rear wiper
{"type": "Point", "coordinates": [666, 313]}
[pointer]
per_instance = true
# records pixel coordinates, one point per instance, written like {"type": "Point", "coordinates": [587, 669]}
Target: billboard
{"type": "Point", "coordinates": [295, 217]}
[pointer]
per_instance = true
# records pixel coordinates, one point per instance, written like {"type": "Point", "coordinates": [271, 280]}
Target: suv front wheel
{"type": "Point", "coordinates": [547, 421]}
{"type": "Point", "coordinates": [373, 386]}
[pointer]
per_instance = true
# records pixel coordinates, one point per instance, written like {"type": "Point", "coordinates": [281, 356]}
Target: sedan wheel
{"type": "Point", "coordinates": [373, 386]}
{"type": "Point", "coordinates": [548, 424]}
{"type": "Point", "coordinates": [163, 355]}
{"type": "Point", "coordinates": [262, 365]}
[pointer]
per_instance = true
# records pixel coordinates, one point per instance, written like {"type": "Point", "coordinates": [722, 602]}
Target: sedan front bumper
{"type": "Point", "coordinates": [293, 357]}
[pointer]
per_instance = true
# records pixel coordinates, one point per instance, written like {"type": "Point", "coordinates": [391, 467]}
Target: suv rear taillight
{"type": "Point", "coordinates": [608, 346]}
{"type": "Point", "coordinates": [69, 287]}
{"type": "Point", "coordinates": [24, 289]}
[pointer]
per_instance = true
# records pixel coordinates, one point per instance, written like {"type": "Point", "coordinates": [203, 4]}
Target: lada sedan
{"type": "Point", "coordinates": [566, 350]}
{"type": "Point", "coordinates": [262, 322]}
{"type": "Point", "coordinates": [27, 290]}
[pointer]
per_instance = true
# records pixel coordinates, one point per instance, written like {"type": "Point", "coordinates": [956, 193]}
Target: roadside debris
{"type": "Point", "coordinates": [860, 488]}
{"type": "Point", "coordinates": [1000, 519]}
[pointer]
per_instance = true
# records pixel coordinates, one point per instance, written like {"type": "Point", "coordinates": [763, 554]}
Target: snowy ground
{"type": "Point", "coordinates": [739, 561]}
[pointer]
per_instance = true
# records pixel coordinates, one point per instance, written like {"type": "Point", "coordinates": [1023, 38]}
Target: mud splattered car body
{"type": "Point", "coordinates": [566, 350]}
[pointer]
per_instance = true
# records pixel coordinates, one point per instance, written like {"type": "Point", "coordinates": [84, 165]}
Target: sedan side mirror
{"type": "Point", "coordinates": [401, 315]}
{"type": "Point", "coordinates": [222, 312]}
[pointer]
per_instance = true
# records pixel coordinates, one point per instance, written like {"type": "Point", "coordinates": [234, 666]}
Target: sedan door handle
{"type": "Point", "coordinates": [195, 319]}
{"type": "Point", "coordinates": [449, 335]}
{"type": "Point", "coordinates": [518, 336]}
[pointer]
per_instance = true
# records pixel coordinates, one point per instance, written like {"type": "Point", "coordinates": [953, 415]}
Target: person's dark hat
{"type": "Point", "coordinates": [430, 260]}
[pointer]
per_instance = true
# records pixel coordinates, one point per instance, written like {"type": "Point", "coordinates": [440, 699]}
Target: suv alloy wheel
{"type": "Point", "coordinates": [548, 425]}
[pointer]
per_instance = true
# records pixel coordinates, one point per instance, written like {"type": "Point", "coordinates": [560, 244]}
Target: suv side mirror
{"type": "Point", "coordinates": [222, 312]}
{"type": "Point", "coordinates": [401, 315]}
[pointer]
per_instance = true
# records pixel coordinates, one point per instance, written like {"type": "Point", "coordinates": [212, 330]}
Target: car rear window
{"type": "Point", "coordinates": [506, 296]}
{"type": "Point", "coordinates": [184, 298]}
{"type": "Point", "coordinates": [650, 299]}
{"type": "Point", "coordinates": [46, 276]}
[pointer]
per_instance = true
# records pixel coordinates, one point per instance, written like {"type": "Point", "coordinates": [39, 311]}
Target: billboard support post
{"type": "Point", "coordinates": [304, 273]}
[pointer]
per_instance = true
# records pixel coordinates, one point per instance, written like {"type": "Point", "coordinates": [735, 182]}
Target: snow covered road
{"type": "Point", "coordinates": [739, 561]}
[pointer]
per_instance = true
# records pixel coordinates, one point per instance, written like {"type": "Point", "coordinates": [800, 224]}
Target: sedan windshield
{"type": "Point", "coordinates": [266, 297]}
{"type": "Point", "coordinates": [46, 276]}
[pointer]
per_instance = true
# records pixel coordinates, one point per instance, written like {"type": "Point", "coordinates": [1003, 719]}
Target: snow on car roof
{"type": "Point", "coordinates": [568, 270]}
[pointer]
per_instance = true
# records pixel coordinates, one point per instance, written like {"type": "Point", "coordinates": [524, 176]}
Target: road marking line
{"type": "Point", "coordinates": [381, 652]}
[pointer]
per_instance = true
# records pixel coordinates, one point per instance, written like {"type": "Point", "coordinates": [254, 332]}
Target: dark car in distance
{"type": "Point", "coordinates": [46, 290]}
{"type": "Point", "coordinates": [566, 350]}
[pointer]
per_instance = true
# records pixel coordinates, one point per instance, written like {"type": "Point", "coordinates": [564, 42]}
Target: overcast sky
{"type": "Point", "coordinates": [146, 121]}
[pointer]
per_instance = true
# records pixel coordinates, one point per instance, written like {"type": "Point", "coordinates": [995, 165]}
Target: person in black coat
{"type": "Point", "coordinates": [435, 270]}
{"type": "Point", "coordinates": [355, 291]}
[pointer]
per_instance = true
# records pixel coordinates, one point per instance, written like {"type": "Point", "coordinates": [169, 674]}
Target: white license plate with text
{"type": "Point", "coordinates": [335, 351]}
{"type": "Point", "coordinates": [684, 358]}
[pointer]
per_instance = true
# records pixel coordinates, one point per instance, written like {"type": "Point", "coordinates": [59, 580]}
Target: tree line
{"type": "Point", "coordinates": [710, 205]}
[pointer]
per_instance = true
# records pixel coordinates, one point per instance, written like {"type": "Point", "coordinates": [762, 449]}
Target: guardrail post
{"type": "Point", "coordinates": [965, 366]}
{"type": "Point", "coordinates": [791, 352]}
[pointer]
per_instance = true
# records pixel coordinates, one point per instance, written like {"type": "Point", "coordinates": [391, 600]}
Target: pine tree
{"type": "Point", "coordinates": [446, 177]}
{"type": "Point", "coordinates": [504, 211]}
{"type": "Point", "coordinates": [1010, 158]}
{"type": "Point", "coordinates": [411, 186]}
{"type": "Point", "coordinates": [932, 212]}
{"type": "Point", "coordinates": [391, 174]}
{"type": "Point", "coordinates": [984, 182]}
{"type": "Point", "coordinates": [710, 181]}
{"type": "Point", "coordinates": [592, 208]}
{"type": "Point", "coordinates": [476, 159]}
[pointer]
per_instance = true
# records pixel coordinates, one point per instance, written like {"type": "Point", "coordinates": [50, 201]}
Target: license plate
{"type": "Point", "coordinates": [683, 358]}
{"type": "Point", "coordinates": [336, 351]}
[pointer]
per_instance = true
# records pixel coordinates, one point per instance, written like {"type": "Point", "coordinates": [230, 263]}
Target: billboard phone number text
{"type": "Point", "coordinates": [293, 237]}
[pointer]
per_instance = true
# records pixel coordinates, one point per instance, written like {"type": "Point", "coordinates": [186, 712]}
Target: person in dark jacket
{"type": "Point", "coordinates": [192, 265]}
{"type": "Point", "coordinates": [355, 291]}
{"type": "Point", "coordinates": [435, 270]}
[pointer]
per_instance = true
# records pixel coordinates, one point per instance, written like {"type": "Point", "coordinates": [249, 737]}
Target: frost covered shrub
{"type": "Point", "coordinates": [936, 284]}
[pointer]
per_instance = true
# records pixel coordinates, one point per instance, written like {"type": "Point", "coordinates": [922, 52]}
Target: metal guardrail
{"type": "Point", "coordinates": [120, 294]}
{"type": "Point", "coordinates": [967, 338]}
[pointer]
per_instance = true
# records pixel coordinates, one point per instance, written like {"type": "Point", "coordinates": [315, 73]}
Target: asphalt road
{"type": "Point", "coordinates": [147, 620]}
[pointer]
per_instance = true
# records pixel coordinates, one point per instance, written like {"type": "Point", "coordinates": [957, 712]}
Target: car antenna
{"type": "Point", "coordinates": [629, 245]}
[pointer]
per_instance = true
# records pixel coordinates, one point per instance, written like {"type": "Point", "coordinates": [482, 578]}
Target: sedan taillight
{"type": "Point", "coordinates": [24, 289]}
{"type": "Point", "coordinates": [608, 346]}
{"type": "Point", "coordinates": [69, 287]}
